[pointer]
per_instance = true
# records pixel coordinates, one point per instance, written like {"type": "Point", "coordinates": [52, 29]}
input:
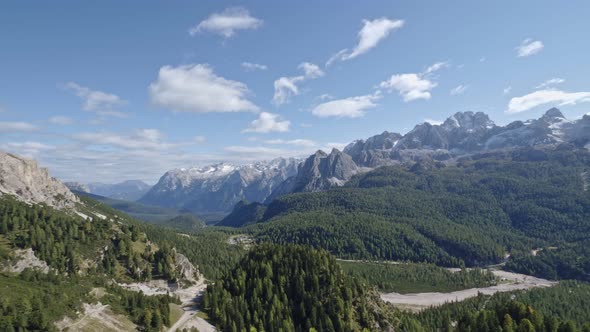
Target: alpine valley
{"type": "Point", "coordinates": [462, 226]}
{"type": "Point", "coordinates": [294, 166]}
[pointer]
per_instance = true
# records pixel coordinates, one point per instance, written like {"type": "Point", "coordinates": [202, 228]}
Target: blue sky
{"type": "Point", "coordinates": [107, 91]}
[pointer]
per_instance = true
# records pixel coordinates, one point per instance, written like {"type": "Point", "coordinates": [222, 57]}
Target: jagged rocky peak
{"type": "Point", "coordinates": [468, 121]}
{"type": "Point", "coordinates": [77, 186]}
{"type": "Point", "coordinates": [24, 179]}
{"type": "Point", "coordinates": [374, 151]}
{"type": "Point", "coordinates": [321, 171]}
{"type": "Point", "coordinates": [553, 113]}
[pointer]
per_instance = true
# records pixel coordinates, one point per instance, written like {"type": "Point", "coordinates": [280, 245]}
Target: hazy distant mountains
{"type": "Point", "coordinates": [217, 188]}
{"type": "Point", "coordinates": [130, 190]}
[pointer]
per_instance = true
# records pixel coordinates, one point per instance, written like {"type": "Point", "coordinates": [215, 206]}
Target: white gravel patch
{"type": "Point", "coordinates": [419, 301]}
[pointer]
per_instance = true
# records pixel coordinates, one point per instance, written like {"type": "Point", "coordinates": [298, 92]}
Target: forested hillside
{"type": "Point", "coordinates": [526, 200]}
{"type": "Point", "coordinates": [291, 288]}
{"type": "Point", "coordinates": [87, 251]}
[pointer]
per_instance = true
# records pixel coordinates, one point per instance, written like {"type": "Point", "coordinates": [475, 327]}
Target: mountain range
{"type": "Point", "coordinates": [217, 188]}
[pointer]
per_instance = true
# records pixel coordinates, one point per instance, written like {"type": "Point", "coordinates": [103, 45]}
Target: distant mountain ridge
{"type": "Point", "coordinates": [130, 190]}
{"type": "Point", "coordinates": [217, 188]}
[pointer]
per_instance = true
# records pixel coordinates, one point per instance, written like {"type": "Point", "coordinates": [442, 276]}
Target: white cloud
{"type": "Point", "coordinates": [249, 66]}
{"type": "Point", "coordinates": [267, 122]}
{"type": "Point", "coordinates": [507, 90]}
{"type": "Point", "coordinates": [296, 142]}
{"type": "Point", "coordinates": [325, 96]}
{"type": "Point", "coordinates": [550, 82]}
{"type": "Point", "coordinates": [352, 107]}
{"type": "Point", "coordinates": [410, 86]}
{"type": "Point", "coordinates": [94, 100]}
{"type": "Point", "coordinates": [433, 122]}
{"type": "Point", "coordinates": [17, 126]}
{"type": "Point", "coordinates": [336, 56]}
{"type": "Point", "coordinates": [227, 22]}
{"type": "Point", "coordinates": [286, 87]}
{"type": "Point", "coordinates": [414, 86]}
{"type": "Point", "coordinates": [529, 47]}
{"type": "Point", "coordinates": [196, 88]}
{"type": "Point", "coordinates": [369, 36]}
{"type": "Point", "coordinates": [311, 70]}
{"type": "Point", "coordinates": [542, 97]}
{"type": "Point", "coordinates": [436, 67]}
{"type": "Point", "coordinates": [459, 89]}
{"type": "Point", "coordinates": [482, 59]}
{"type": "Point", "coordinates": [61, 120]}
{"type": "Point", "coordinates": [143, 139]}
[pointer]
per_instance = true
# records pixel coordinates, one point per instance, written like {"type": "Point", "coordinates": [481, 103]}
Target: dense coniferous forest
{"type": "Point", "coordinates": [289, 288]}
{"type": "Point", "coordinates": [565, 307]}
{"type": "Point", "coordinates": [416, 278]}
{"type": "Point", "coordinates": [532, 200]}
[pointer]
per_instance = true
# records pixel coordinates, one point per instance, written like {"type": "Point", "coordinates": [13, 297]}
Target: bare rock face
{"type": "Point", "coordinates": [320, 171]}
{"type": "Point", "coordinates": [25, 258]}
{"type": "Point", "coordinates": [186, 268]}
{"type": "Point", "coordinates": [24, 179]}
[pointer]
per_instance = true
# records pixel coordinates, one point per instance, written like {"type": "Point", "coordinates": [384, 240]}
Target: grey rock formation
{"type": "Point", "coordinates": [319, 172]}
{"type": "Point", "coordinates": [467, 133]}
{"type": "Point", "coordinates": [24, 179]}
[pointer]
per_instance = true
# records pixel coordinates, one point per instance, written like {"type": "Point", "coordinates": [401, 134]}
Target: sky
{"type": "Point", "coordinates": [106, 91]}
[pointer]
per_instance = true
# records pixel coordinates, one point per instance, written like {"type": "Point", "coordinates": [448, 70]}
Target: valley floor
{"type": "Point", "coordinates": [189, 298]}
{"type": "Point", "coordinates": [509, 282]}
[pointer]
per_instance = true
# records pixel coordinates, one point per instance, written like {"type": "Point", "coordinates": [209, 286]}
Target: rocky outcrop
{"type": "Point", "coordinates": [24, 179]}
{"type": "Point", "coordinates": [185, 268]}
{"type": "Point", "coordinates": [319, 172]}
{"type": "Point", "coordinates": [374, 151]}
{"type": "Point", "coordinates": [26, 259]}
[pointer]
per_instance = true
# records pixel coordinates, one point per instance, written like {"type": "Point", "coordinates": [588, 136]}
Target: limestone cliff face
{"type": "Point", "coordinates": [24, 179]}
